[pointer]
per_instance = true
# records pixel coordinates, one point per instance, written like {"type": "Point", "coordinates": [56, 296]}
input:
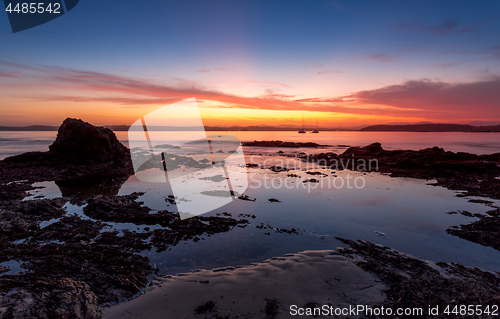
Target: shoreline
{"type": "Point", "coordinates": [302, 279]}
{"type": "Point", "coordinates": [77, 268]}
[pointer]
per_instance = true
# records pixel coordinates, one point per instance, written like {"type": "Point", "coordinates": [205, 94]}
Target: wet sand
{"type": "Point", "coordinates": [258, 290]}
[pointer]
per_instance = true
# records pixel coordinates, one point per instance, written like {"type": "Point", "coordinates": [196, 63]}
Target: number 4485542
{"type": "Point", "coordinates": [34, 8]}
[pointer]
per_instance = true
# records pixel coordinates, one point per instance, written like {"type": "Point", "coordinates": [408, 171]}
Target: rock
{"type": "Point", "coordinates": [82, 156]}
{"type": "Point", "coordinates": [282, 144]}
{"type": "Point", "coordinates": [80, 141]}
{"type": "Point", "coordinates": [475, 174]}
{"type": "Point", "coordinates": [63, 299]}
{"type": "Point", "coordinates": [415, 283]}
{"type": "Point", "coordinates": [374, 149]}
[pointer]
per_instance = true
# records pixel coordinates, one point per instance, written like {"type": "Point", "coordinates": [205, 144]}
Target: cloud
{"type": "Point", "coordinates": [382, 57]}
{"type": "Point", "coordinates": [444, 65]}
{"type": "Point", "coordinates": [269, 83]}
{"type": "Point", "coordinates": [313, 66]}
{"type": "Point", "coordinates": [221, 69]}
{"type": "Point", "coordinates": [445, 27]}
{"type": "Point", "coordinates": [418, 98]}
{"type": "Point", "coordinates": [321, 100]}
{"type": "Point", "coordinates": [434, 96]}
{"type": "Point", "coordinates": [7, 74]}
{"type": "Point", "coordinates": [494, 52]}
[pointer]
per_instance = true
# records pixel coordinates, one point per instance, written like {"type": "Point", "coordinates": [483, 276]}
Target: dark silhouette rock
{"type": "Point", "coordinates": [80, 141]}
{"type": "Point", "coordinates": [82, 156]}
{"type": "Point", "coordinates": [374, 149]}
{"type": "Point", "coordinates": [282, 144]}
{"type": "Point", "coordinates": [475, 174]}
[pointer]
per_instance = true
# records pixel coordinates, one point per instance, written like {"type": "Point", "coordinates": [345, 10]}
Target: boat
{"type": "Point", "coordinates": [302, 130]}
{"type": "Point", "coordinates": [316, 129]}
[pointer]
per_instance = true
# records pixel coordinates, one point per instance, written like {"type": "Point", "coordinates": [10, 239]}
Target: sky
{"type": "Point", "coordinates": [345, 64]}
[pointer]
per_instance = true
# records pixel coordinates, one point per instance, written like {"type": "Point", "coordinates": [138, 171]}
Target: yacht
{"type": "Point", "coordinates": [302, 130]}
{"type": "Point", "coordinates": [316, 129]}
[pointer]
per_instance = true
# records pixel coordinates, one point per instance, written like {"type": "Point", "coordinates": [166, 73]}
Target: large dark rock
{"type": "Point", "coordinates": [80, 141]}
{"type": "Point", "coordinates": [374, 149]}
{"type": "Point", "coordinates": [82, 156]}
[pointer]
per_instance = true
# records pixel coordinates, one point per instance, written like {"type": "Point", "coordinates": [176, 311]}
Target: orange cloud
{"type": "Point", "coordinates": [419, 99]}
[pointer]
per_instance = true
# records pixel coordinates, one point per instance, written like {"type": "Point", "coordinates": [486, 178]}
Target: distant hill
{"type": "Point", "coordinates": [29, 128]}
{"type": "Point", "coordinates": [53, 128]}
{"type": "Point", "coordinates": [420, 127]}
{"type": "Point", "coordinates": [431, 128]}
{"type": "Point", "coordinates": [117, 128]}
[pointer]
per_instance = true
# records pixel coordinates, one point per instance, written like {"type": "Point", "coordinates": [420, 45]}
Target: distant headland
{"type": "Point", "coordinates": [427, 127]}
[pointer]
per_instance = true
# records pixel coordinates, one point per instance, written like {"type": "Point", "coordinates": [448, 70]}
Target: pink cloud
{"type": "Point", "coordinates": [435, 96]}
{"type": "Point", "coordinates": [418, 98]}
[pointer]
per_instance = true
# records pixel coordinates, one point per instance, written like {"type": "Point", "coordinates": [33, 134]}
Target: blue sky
{"type": "Point", "coordinates": [259, 49]}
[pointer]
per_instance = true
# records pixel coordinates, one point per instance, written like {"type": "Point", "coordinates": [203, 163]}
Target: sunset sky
{"type": "Point", "coordinates": [347, 64]}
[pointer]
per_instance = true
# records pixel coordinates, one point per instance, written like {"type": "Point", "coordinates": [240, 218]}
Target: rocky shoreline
{"type": "Point", "coordinates": [473, 175]}
{"type": "Point", "coordinates": [74, 267]}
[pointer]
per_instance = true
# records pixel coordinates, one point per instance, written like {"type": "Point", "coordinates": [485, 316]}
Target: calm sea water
{"type": "Point", "coordinates": [12, 143]}
{"type": "Point", "coordinates": [405, 214]}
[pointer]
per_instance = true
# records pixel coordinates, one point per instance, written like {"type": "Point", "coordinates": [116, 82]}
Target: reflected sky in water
{"type": "Point", "coordinates": [404, 214]}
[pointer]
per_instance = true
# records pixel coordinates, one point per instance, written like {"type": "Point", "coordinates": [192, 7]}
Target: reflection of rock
{"type": "Point", "coordinates": [485, 231]}
{"type": "Point", "coordinates": [172, 162]}
{"type": "Point", "coordinates": [476, 174]}
{"type": "Point", "coordinates": [91, 186]}
{"type": "Point", "coordinates": [219, 193]}
{"type": "Point", "coordinates": [216, 178]}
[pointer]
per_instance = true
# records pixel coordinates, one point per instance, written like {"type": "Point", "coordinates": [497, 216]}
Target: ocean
{"type": "Point", "coordinates": [12, 143]}
{"type": "Point", "coordinates": [405, 214]}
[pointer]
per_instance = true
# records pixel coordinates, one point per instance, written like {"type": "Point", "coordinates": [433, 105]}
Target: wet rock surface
{"type": "Point", "coordinates": [282, 144]}
{"type": "Point", "coordinates": [414, 283]}
{"type": "Point", "coordinates": [485, 231]}
{"type": "Point", "coordinates": [72, 264]}
{"type": "Point", "coordinates": [475, 174]}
